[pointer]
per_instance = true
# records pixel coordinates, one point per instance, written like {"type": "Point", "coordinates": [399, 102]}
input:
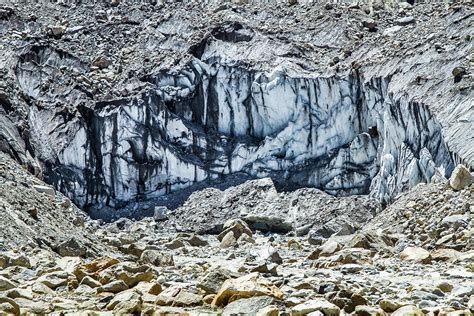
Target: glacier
{"type": "Point", "coordinates": [344, 134]}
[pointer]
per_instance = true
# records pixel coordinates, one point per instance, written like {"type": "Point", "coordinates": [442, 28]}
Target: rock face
{"type": "Point", "coordinates": [130, 126]}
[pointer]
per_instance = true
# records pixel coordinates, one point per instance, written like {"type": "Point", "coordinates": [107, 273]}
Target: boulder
{"type": "Point", "coordinates": [71, 248]}
{"type": "Point", "coordinates": [237, 226]}
{"type": "Point", "coordinates": [157, 258]}
{"type": "Point", "coordinates": [318, 304]}
{"type": "Point", "coordinates": [55, 279]}
{"type": "Point", "coordinates": [390, 306]}
{"type": "Point", "coordinates": [245, 287]}
{"type": "Point", "coordinates": [408, 310]}
{"type": "Point", "coordinates": [270, 310]}
{"type": "Point", "coordinates": [127, 302]}
{"type": "Point", "coordinates": [364, 310]}
{"type": "Point", "coordinates": [228, 240]}
{"type": "Point", "coordinates": [460, 178]}
{"type": "Point", "coordinates": [128, 272]}
{"type": "Point", "coordinates": [114, 287]}
{"type": "Point", "coordinates": [416, 254]}
{"type": "Point", "coordinates": [445, 254]}
{"type": "Point", "coordinates": [248, 306]}
{"type": "Point", "coordinates": [6, 284]}
{"type": "Point", "coordinates": [187, 299]}
{"type": "Point", "coordinates": [212, 281]}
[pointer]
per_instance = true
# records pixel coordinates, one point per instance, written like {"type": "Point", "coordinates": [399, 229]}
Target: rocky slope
{"type": "Point", "coordinates": [374, 268]}
{"type": "Point", "coordinates": [136, 101]}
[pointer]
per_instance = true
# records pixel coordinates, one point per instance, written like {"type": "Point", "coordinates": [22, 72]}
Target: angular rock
{"type": "Point", "coordinates": [245, 287]}
{"type": "Point", "coordinates": [212, 281]}
{"type": "Point", "coordinates": [329, 247]}
{"type": "Point", "coordinates": [45, 189]}
{"type": "Point", "coordinates": [157, 258]}
{"type": "Point", "coordinates": [408, 310]}
{"type": "Point", "coordinates": [128, 302]}
{"type": "Point", "coordinates": [187, 299]}
{"type": "Point", "coordinates": [460, 178]}
{"type": "Point", "coordinates": [54, 280]}
{"type": "Point", "coordinates": [237, 226]}
{"type": "Point", "coordinates": [416, 254]}
{"type": "Point", "coordinates": [248, 306]}
{"type": "Point", "coordinates": [364, 310]}
{"type": "Point", "coordinates": [71, 248]}
{"type": "Point", "coordinates": [6, 284]}
{"type": "Point", "coordinates": [114, 287]}
{"type": "Point", "coordinates": [320, 304]}
{"type": "Point", "coordinates": [228, 240]}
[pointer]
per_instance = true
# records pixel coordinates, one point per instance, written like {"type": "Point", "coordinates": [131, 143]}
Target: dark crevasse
{"type": "Point", "coordinates": [345, 135]}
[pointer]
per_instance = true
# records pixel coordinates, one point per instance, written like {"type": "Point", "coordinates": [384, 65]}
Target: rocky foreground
{"type": "Point", "coordinates": [413, 258]}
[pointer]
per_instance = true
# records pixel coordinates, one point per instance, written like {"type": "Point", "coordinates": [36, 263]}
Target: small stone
{"type": "Point", "coordinates": [329, 247]}
{"type": "Point", "coordinates": [458, 74]}
{"type": "Point", "coordinates": [445, 287]}
{"type": "Point", "coordinates": [45, 189]}
{"type": "Point", "coordinates": [160, 213]}
{"type": "Point", "coordinates": [405, 20]}
{"type": "Point", "coordinates": [57, 30]}
{"type": "Point", "coordinates": [90, 282]}
{"type": "Point", "coordinates": [175, 244]}
{"type": "Point", "coordinates": [54, 280]}
{"type": "Point", "coordinates": [102, 62]}
{"type": "Point", "coordinates": [270, 310]}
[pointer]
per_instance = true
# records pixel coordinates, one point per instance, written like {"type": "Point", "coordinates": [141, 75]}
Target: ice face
{"type": "Point", "coordinates": [342, 134]}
